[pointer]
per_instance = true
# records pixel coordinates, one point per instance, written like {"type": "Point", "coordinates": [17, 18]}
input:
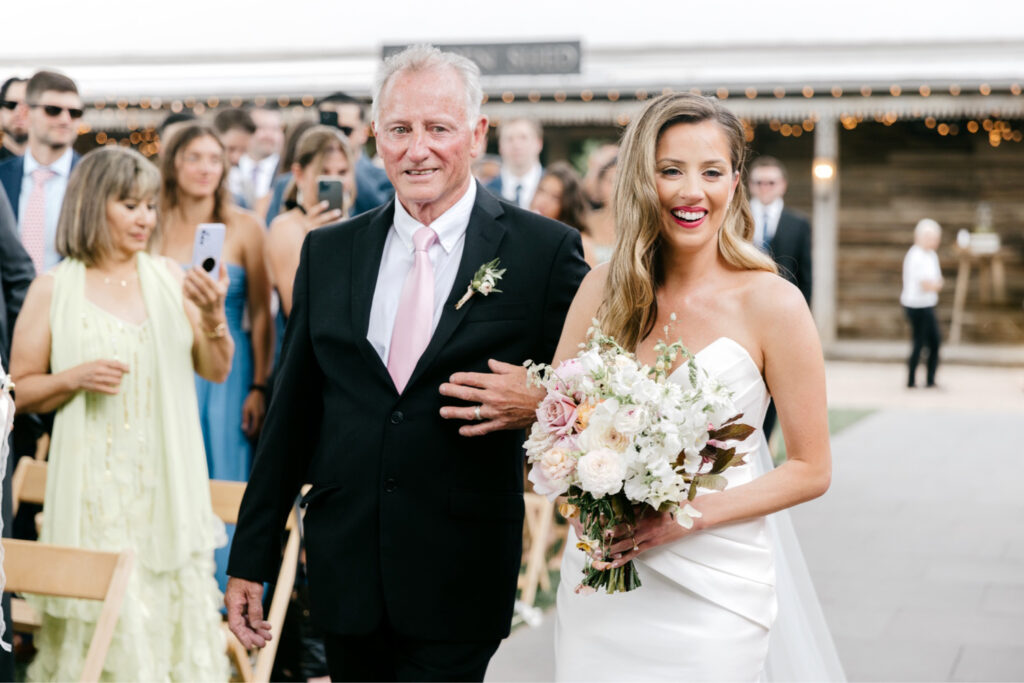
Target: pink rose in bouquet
{"type": "Point", "coordinates": [557, 413]}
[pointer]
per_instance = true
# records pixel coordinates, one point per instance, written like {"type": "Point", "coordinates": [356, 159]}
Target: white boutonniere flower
{"type": "Point", "coordinates": [483, 281]}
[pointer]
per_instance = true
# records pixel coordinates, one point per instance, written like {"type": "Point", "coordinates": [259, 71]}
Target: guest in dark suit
{"type": "Point", "coordinates": [413, 530]}
{"type": "Point", "coordinates": [520, 142]}
{"type": "Point", "coordinates": [783, 234]}
{"type": "Point", "coordinates": [35, 183]}
{"type": "Point", "coordinates": [16, 273]}
{"type": "Point", "coordinates": [13, 117]}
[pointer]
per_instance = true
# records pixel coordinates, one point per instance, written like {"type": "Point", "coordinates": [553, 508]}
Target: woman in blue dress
{"type": "Point", "coordinates": [194, 169]}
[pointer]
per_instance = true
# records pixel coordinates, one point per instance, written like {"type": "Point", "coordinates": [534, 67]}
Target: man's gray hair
{"type": "Point", "coordinates": [424, 57]}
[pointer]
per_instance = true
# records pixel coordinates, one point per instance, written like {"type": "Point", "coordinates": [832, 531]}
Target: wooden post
{"type": "Point", "coordinates": [825, 227]}
{"type": "Point", "coordinates": [963, 277]}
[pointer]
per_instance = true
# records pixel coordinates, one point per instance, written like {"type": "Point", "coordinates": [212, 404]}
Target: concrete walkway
{"type": "Point", "coordinates": [917, 551]}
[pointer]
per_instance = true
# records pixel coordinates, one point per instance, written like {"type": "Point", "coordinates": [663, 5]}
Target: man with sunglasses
{"type": "Point", "coordinates": [12, 118]}
{"type": "Point", "coordinates": [36, 182]}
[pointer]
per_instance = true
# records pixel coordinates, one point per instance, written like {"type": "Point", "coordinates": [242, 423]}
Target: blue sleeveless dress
{"type": "Point", "coordinates": [228, 449]}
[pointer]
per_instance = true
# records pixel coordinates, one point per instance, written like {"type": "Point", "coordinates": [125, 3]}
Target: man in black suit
{"type": "Point", "coordinates": [784, 235]}
{"type": "Point", "coordinates": [413, 530]}
{"type": "Point", "coordinates": [16, 274]}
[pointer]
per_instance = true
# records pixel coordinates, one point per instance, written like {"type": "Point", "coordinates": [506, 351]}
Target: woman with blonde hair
{"type": "Point", "coordinates": [683, 261]}
{"type": "Point", "coordinates": [110, 339]}
{"type": "Point", "coordinates": [194, 171]}
{"type": "Point", "coordinates": [320, 154]}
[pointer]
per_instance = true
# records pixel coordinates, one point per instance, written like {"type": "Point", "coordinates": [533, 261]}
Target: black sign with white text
{"type": "Point", "coordinates": [504, 59]}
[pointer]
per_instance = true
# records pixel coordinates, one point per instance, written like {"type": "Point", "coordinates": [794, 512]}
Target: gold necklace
{"type": "Point", "coordinates": [107, 280]}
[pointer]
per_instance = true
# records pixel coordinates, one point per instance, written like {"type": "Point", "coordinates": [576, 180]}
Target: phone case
{"type": "Point", "coordinates": [207, 248]}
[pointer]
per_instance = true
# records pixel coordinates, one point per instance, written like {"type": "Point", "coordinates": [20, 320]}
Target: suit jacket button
{"type": "Point", "coordinates": [390, 484]}
{"type": "Point", "coordinates": [397, 417]}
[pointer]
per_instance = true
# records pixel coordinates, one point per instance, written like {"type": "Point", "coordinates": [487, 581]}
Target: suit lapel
{"type": "Point", "coordinates": [483, 237]}
{"type": "Point", "coordinates": [367, 251]}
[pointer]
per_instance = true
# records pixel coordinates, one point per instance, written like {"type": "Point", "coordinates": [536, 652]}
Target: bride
{"type": "Point", "coordinates": [683, 260]}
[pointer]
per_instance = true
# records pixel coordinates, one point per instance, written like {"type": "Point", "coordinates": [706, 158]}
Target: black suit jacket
{"type": "Point", "coordinates": [11, 172]}
{"type": "Point", "coordinates": [791, 249]}
{"type": "Point", "coordinates": [406, 519]}
{"type": "Point", "coordinates": [16, 274]}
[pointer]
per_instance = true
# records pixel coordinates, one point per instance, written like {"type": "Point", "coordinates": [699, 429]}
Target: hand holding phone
{"type": "Point", "coordinates": [330, 190]}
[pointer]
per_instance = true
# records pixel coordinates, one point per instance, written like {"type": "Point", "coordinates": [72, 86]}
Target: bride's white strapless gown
{"type": "Point", "coordinates": [706, 609]}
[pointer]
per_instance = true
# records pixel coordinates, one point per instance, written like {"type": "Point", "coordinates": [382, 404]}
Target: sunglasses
{"type": "Point", "coordinates": [8, 104]}
{"type": "Point", "coordinates": [346, 130]}
{"type": "Point", "coordinates": [54, 110]}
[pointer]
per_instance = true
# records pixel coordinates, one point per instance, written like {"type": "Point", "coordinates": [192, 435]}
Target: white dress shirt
{"type": "Point", "coordinates": [56, 186]}
{"type": "Point", "coordinates": [772, 223]}
{"type": "Point", "coordinates": [252, 179]}
{"type": "Point", "coordinates": [527, 184]}
{"type": "Point", "coordinates": [397, 260]}
{"type": "Point", "coordinates": [919, 265]}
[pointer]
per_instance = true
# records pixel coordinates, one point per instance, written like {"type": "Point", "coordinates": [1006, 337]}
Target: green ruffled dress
{"type": "Point", "coordinates": [129, 471]}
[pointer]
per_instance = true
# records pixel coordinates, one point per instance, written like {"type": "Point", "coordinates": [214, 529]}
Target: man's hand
{"type": "Point", "coordinates": [503, 399]}
{"type": "Point", "coordinates": [244, 600]}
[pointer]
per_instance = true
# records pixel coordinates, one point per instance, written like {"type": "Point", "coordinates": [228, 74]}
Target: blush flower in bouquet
{"type": "Point", "coordinates": [616, 436]}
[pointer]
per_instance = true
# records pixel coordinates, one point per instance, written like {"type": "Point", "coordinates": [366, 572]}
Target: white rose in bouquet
{"type": "Point", "coordinates": [601, 472]}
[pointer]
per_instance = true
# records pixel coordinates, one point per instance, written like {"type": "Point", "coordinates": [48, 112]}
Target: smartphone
{"type": "Point", "coordinates": [329, 118]}
{"type": "Point", "coordinates": [331, 191]}
{"type": "Point", "coordinates": [207, 248]}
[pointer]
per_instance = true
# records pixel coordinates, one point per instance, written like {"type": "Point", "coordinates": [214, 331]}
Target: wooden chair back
{"type": "Point", "coordinates": [28, 483]}
{"type": "Point", "coordinates": [44, 569]}
{"type": "Point", "coordinates": [226, 497]}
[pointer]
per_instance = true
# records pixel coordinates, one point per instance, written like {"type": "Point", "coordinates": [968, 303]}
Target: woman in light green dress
{"type": "Point", "coordinates": [109, 339]}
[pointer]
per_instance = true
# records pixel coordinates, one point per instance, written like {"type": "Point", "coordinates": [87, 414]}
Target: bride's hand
{"type": "Point", "coordinates": [651, 530]}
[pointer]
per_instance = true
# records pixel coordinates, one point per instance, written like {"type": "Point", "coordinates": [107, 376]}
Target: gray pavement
{"type": "Point", "coordinates": [917, 550]}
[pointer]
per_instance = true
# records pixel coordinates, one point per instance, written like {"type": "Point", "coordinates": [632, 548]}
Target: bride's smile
{"type": "Point", "coordinates": [695, 182]}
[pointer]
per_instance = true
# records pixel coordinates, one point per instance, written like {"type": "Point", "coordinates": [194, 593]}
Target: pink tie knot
{"type": "Point", "coordinates": [41, 175]}
{"type": "Point", "coordinates": [423, 239]}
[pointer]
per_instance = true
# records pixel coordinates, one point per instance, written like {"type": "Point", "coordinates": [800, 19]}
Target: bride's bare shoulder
{"type": "Point", "coordinates": [591, 291]}
{"type": "Point", "coordinates": [772, 299]}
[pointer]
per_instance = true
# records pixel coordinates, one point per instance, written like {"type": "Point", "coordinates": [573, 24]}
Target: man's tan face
{"type": "Point", "coordinates": [54, 131]}
{"type": "Point", "coordinates": [236, 142]}
{"type": "Point", "coordinates": [349, 116]}
{"type": "Point", "coordinates": [767, 184]}
{"type": "Point", "coordinates": [14, 122]}
{"type": "Point", "coordinates": [519, 145]}
{"type": "Point", "coordinates": [269, 136]}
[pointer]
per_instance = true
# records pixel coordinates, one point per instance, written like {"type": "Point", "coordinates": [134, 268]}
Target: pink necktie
{"type": "Point", "coordinates": [415, 316]}
{"type": "Point", "coordinates": [33, 223]}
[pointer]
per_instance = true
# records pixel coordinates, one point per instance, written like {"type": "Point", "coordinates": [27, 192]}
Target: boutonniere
{"type": "Point", "coordinates": [484, 281]}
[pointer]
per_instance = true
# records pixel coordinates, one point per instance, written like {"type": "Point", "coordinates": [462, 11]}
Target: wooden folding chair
{"type": "Point", "coordinates": [44, 569]}
{"type": "Point", "coordinates": [540, 517]}
{"type": "Point", "coordinates": [28, 483]}
{"type": "Point", "coordinates": [226, 497]}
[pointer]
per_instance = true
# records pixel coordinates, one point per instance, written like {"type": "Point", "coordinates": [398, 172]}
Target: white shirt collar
{"type": "Point", "coordinates": [529, 179]}
{"type": "Point", "coordinates": [61, 167]}
{"type": "Point", "coordinates": [774, 209]}
{"type": "Point", "coordinates": [450, 226]}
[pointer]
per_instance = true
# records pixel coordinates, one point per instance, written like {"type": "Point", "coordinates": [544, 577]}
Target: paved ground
{"type": "Point", "coordinates": [917, 551]}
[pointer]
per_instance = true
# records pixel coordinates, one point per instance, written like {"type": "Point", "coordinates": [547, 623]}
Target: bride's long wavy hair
{"type": "Point", "coordinates": [636, 270]}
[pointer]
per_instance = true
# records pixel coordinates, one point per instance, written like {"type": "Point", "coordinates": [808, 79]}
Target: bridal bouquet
{"type": "Point", "coordinates": [615, 435]}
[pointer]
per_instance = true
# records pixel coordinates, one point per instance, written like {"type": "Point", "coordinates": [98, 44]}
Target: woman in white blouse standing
{"type": "Point", "coordinates": [922, 282]}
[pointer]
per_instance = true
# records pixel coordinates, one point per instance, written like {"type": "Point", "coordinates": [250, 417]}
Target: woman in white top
{"type": "Point", "coordinates": [922, 281]}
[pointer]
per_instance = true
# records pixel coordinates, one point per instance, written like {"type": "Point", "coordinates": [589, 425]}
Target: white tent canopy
{"type": "Point", "coordinates": [310, 47]}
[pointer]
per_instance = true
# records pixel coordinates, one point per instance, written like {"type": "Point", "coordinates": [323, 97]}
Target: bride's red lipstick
{"type": "Point", "coordinates": [690, 210]}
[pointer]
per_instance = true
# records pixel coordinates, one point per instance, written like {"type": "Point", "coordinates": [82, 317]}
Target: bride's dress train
{"type": "Point", "coordinates": [707, 607]}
